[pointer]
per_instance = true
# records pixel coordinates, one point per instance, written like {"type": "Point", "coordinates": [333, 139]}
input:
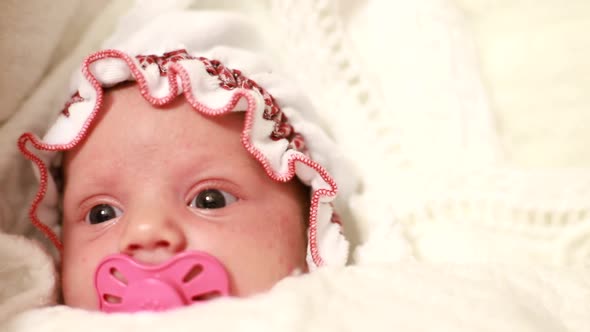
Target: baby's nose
{"type": "Point", "coordinates": [152, 240]}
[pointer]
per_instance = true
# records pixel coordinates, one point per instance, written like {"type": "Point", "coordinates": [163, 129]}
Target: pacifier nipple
{"type": "Point", "coordinates": [125, 285]}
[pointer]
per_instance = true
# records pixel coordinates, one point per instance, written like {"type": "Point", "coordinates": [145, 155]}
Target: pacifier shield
{"type": "Point", "coordinates": [125, 285]}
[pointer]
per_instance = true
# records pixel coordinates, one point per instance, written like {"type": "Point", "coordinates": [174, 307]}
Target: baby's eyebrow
{"type": "Point", "coordinates": [95, 181]}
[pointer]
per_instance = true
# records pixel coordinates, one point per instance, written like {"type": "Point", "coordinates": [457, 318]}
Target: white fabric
{"type": "Point", "coordinates": [462, 204]}
{"type": "Point", "coordinates": [429, 151]}
{"type": "Point", "coordinates": [534, 56]}
{"type": "Point", "coordinates": [27, 275]}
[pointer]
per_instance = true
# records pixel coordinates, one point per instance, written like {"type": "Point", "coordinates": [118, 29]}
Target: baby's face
{"type": "Point", "coordinates": [150, 183]}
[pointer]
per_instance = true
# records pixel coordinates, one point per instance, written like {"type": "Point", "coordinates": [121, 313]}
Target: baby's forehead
{"type": "Point", "coordinates": [126, 109]}
{"type": "Point", "coordinates": [128, 125]}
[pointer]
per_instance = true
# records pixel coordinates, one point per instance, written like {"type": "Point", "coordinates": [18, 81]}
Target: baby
{"type": "Point", "coordinates": [151, 183]}
{"type": "Point", "coordinates": [172, 176]}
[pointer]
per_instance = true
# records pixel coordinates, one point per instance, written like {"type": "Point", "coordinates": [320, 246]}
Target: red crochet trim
{"type": "Point", "coordinates": [229, 79]}
{"type": "Point", "coordinates": [163, 60]}
{"type": "Point", "coordinates": [75, 98]}
{"type": "Point", "coordinates": [50, 234]}
{"type": "Point", "coordinates": [233, 78]}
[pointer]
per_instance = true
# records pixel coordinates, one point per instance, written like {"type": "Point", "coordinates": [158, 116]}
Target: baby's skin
{"type": "Point", "coordinates": [152, 182]}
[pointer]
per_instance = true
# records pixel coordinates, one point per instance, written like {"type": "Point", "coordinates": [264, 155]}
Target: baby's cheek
{"type": "Point", "coordinates": [288, 241]}
{"type": "Point", "coordinates": [77, 277]}
{"type": "Point", "coordinates": [81, 256]}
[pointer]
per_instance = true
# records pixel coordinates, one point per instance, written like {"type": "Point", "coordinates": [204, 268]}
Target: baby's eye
{"type": "Point", "coordinates": [212, 199]}
{"type": "Point", "coordinates": [101, 213]}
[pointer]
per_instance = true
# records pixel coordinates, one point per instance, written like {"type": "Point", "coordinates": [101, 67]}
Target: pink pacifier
{"type": "Point", "coordinates": [124, 285]}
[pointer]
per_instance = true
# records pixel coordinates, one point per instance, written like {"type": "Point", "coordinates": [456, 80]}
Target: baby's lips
{"type": "Point", "coordinates": [126, 285]}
